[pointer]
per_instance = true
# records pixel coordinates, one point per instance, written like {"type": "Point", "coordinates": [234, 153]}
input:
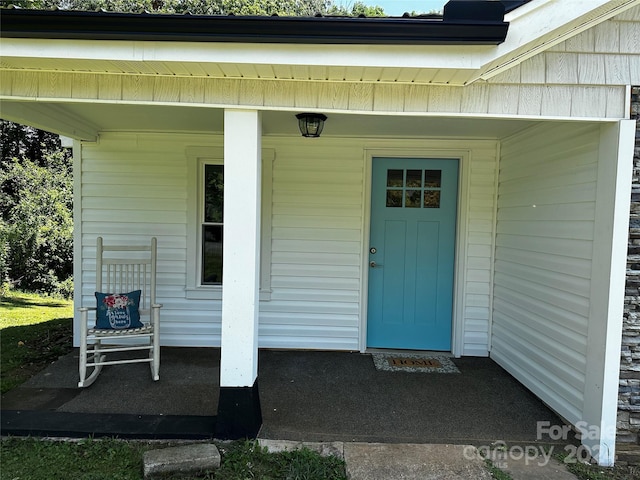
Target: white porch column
{"type": "Point", "coordinates": [615, 168]}
{"type": "Point", "coordinates": [239, 406]}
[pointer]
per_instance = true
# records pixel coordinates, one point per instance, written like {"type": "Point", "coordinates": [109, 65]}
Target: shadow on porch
{"type": "Point", "coordinates": [311, 396]}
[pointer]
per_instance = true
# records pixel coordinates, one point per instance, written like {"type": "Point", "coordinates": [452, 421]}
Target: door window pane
{"type": "Point", "coordinates": [212, 254]}
{"type": "Point", "coordinates": [432, 178]}
{"type": "Point", "coordinates": [414, 178]}
{"type": "Point", "coordinates": [394, 198]}
{"type": "Point", "coordinates": [412, 198]}
{"type": "Point", "coordinates": [432, 199]}
{"type": "Point", "coordinates": [395, 178]}
{"type": "Point", "coordinates": [413, 188]}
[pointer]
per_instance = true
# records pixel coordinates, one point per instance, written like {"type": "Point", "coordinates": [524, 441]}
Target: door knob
{"type": "Point", "coordinates": [374, 265]}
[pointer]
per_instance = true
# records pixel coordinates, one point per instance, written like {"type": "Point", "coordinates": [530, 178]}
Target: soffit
{"type": "Point", "coordinates": [140, 118]}
{"type": "Point", "coordinates": [335, 73]}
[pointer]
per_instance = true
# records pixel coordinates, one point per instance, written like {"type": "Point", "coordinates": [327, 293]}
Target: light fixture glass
{"type": "Point", "coordinates": [311, 124]}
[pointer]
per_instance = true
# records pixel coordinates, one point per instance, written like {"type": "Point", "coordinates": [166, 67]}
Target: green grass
{"type": "Point", "coordinates": [34, 331]}
{"type": "Point", "coordinates": [20, 308]}
{"type": "Point", "coordinates": [32, 459]}
{"type": "Point", "coordinates": [496, 472]}
{"type": "Point", "coordinates": [587, 471]}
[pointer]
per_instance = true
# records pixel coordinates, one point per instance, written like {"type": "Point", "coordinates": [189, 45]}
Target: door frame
{"type": "Point", "coordinates": [463, 157]}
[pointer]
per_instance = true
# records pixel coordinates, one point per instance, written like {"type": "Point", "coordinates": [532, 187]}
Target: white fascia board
{"type": "Point", "coordinates": [399, 56]}
{"type": "Point", "coordinates": [541, 24]}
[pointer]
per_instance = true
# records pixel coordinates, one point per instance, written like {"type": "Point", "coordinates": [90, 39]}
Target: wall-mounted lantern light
{"type": "Point", "coordinates": [311, 124]}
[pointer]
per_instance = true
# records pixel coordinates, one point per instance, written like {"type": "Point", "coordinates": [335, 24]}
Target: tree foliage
{"type": "Point", "coordinates": [292, 8]}
{"type": "Point", "coordinates": [36, 202]}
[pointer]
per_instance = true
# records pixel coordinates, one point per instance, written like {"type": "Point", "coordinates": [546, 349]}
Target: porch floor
{"type": "Point", "coordinates": [305, 395]}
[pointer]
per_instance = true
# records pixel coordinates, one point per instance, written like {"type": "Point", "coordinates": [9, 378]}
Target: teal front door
{"type": "Point", "coordinates": [412, 253]}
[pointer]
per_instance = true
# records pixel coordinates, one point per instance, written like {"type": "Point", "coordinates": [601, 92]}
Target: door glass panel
{"type": "Point", "coordinates": [212, 254]}
{"type": "Point", "coordinates": [394, 198]}
{"type": "Point", "coordinates": [413, 188]}
{"type": "Point", "coordinates": [395, 178]}
{"type": "Point", "coordinates": [432, 178]}
{"type": "Point", "coordinates": [432, 199]}
{"type": "Point", "coordinates": [412, 199]}
{"type": "Point", "coordinates": [414, 178]}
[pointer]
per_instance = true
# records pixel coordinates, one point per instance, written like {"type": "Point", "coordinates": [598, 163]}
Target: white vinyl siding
{"type": "Point", "coordinates": [480, 217]}
{"type": "Point", "coordinates": [316, 244]}
{"type": "Point", "coordinates": [544, 242]}
{"type": "Point", "coordinates": [135, 186]}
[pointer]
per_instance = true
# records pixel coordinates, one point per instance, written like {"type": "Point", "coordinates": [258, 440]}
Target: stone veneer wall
{"type": "Point", "coordinates": [629, 390]}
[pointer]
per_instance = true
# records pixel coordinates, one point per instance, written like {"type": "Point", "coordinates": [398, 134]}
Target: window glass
{"type": "Point", "coordinates": [394, 178]}
{"type": "Point", "coordinates": [413, 188]}
{"type": "Point", "coordinates": [212, 225]}
{"type": "Point", "coordinates": [213, 193]}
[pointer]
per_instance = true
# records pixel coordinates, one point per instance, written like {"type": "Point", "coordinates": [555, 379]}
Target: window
{"type": "Point", "coordinates": [413, 188]}
{"type": "Point", "coordinates": [212, 225]}
{"type": "Point", "coordinates": [205, 227]}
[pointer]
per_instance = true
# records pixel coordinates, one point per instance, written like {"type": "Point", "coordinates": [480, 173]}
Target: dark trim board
{"type": "Point", "coordinates": [464, 23]}
{"type": "Point", "coordinates": [239, 413]}
{"type": "Point", "coordinates": [80, 425]}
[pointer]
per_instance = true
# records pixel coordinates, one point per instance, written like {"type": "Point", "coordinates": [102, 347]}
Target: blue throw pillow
{"type": "Point", "coordinates": [118, 310]}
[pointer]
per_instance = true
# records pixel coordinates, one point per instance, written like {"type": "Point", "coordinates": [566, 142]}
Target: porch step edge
{"type": "Point", "coordinates": [80, 425]}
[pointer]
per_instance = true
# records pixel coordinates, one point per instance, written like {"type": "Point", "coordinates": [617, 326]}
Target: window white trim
{"type": "Point", "coordinates": [197, 157]}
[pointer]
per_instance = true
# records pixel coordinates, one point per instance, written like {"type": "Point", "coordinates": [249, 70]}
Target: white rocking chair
{"type": "Point", "coordinates": [121, 270]}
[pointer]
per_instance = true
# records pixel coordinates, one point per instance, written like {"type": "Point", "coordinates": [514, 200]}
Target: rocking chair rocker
{"type": "Point", "coordinates": [127, 318]}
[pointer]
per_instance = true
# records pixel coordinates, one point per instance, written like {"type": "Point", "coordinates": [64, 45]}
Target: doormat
{"type": "Point", "coordinates": [414, 363]}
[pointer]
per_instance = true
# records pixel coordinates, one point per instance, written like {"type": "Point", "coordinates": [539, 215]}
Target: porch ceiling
{"type": "Point", "coordinates": [85, 121]}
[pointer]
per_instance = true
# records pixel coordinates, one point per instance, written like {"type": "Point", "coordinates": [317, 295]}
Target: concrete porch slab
{"type": "Point", "coordinates": [306, 396]}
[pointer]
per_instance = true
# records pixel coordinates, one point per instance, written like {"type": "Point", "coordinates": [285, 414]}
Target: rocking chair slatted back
{"type": "Point", "coordinates": [119, 274]}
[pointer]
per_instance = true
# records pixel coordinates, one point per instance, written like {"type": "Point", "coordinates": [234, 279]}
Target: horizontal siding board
{"type": "Point", "coordinates": [574, 230]}
{"type": "Point", "coordinates": [549, 277]}
{"type": "Point", "coordinates": [547, 294]}
{"type": "Point", "coordinates": [316, 210]}
{"type": "Point", "coordinates": [321, 198]}
{"type": "Point", "coordinates": [315, 295]}
{"type": "Point", "coordinates": [293, 233]}
{"type": "Point", "coordinates": [318, 221]}
{"type": "Point", "coordinates": [311, 246]}
{"type": "Point", "coordinates": [315, 282]}
{"type": "Point", "coordinates": [545, 195]}
{"type": "Point", "coordinates": [275, 318]}
{"type": "Point", "coordinates": [322, 271]}
{"type": "Point", "coordinates": [325, 308]}
{"type": "Point", "coordinates": [570, 265]}
{"type": "Point", "coordinates": [568, 211]}
{"type": "Point", "coordinates": [556, 246]}
{"type": "Point", "coordinates": [579, 173]}
{"type": "Point", "coordinates": [541, 326]}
